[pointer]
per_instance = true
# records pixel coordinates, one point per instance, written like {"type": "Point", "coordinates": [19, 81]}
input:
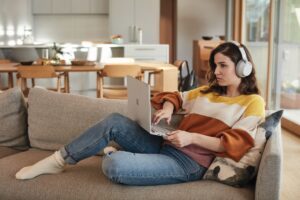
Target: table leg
{"type": "Point", "coordinates": [67, 82]}
{"type": "Point", "coordinates": [10, 80]}
{"type": "Point", "coordinates": [99, 85]}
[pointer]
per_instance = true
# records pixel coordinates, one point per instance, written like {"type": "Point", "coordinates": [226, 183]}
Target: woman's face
{"type": "Point", "coordinates": [225, 71]}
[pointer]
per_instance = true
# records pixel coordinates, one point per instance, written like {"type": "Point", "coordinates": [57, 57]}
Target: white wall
{"type": "Point", "coordinates": [197, 18]}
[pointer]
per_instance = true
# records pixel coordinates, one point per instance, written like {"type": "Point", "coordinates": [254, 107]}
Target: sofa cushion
{"type": "Point", "coordinates": [86, 181]}
{"type": "Point", "coordinates": [6, 151]}
{"type": "Point", "coordinates": [54, 119]}
{"type": "Point", "coordinates": [227, 171]}
{"type": "Point", "coordinates": [13, 119]}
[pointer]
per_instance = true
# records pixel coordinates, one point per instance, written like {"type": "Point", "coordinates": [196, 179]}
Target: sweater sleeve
{"type": "Point", "coordinates": [180, 100]}
{"type": "Point", "coordinates": [173, 97]}
{"type": "Point", "coordinates": [240, 137]}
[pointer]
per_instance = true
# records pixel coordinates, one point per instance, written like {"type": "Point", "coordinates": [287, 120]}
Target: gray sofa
{"type": "Point", "coordinates": [53, 119]}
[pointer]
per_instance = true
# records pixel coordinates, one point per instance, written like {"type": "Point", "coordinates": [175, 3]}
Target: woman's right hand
{"type": "Point", "coordinates": [165, 113]}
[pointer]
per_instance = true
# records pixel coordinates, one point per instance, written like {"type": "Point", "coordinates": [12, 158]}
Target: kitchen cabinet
{"type": "Point", "coordinates": [70, 6]}
{"type": "Point", "coordinates": [126, 16]}
{"type": "Point", "coordinates": [99, 6]}
{"type": "Point", "coordinates": [41, 6]}
{"type": "Point", "coordinates": [61, 6]}
{"type": "Point", "coordinates": [80, 6]}
{"type": "Point", "coordinates": [147, 53]}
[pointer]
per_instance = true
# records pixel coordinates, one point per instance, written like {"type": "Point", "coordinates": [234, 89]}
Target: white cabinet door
{"type": "Point", "coordinates": [147, 15]}
{"type": "Point", "coordinates": [80, 6]}
{"type": "Point", "coordinates": [144, 14]}
{"type": "Point", "coordinates": [99, 6]}
{"type": "Point", "coordinates": [121, 18]}
{"type": "Point", "coordinates": [61, 6]}
{"type": "Point", "coordinates": [42, 6]}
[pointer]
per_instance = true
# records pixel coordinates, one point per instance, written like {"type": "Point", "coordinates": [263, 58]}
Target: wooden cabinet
{"type": "Point", "coordinates": [70, 6]}
{"type": "Point", "coordinates": [126, 16]}
{"type": "Point", "coordinates": [201, 54]}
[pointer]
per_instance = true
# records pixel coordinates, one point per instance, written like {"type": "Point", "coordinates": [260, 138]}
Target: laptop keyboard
{"type": "Point", "coordinates": [160, 131]}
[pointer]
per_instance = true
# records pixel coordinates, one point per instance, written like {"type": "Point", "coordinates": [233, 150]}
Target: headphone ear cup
{"type": "Point", "coordinates": [243, 69]}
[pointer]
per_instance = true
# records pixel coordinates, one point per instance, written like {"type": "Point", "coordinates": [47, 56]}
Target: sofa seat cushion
{"type": "Point", "coordinates": [86, 181]}
{"type": "Point", "coordinates": [6, 151]}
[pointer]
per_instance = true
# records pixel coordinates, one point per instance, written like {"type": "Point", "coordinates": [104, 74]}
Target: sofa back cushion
{"type": "Point", "coordinates": [13, 119]}
{"type": "Point", "coordinates": [54, 119]}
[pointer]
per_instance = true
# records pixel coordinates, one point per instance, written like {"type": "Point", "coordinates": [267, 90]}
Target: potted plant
{"type": "Point", "coordinates": [57, 55]}
{"type": "Point", "coordinates": [290, 95]}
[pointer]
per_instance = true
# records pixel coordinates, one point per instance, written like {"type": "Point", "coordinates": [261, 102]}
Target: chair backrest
{"type": "Point", "coordinates": [186, 79]}
{"type": "Point", "coordinates": [122, 70]}
{"type": "Point", "coordinates": [37, 72]}
{"type": "Point", "coordinates": [4, 61]}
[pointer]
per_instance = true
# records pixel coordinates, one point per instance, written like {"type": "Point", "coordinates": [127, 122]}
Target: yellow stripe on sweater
{"type": "Point", "coordinates": [254, 103]}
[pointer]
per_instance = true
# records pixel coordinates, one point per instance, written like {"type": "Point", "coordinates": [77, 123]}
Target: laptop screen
{"type": "Point", "coordinates": [139, 105]}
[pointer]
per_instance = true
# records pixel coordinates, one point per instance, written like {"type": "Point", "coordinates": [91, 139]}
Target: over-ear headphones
{"type": "Point", "coordinates": [243, 67]}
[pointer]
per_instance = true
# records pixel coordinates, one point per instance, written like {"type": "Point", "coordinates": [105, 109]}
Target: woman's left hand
{"type": "Point", "coordinates": [180, 138]}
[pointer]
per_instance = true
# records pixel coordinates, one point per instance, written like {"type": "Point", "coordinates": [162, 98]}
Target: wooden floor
{"type": "Point", "coordinates": [290, 188]}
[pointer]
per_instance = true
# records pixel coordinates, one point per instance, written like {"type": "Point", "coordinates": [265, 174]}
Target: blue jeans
{"type": "Point", "coordinates": [143, 161]}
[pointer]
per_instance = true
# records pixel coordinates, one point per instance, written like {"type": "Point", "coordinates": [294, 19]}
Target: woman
{"type": "Point", "coordinates": [220, 120]}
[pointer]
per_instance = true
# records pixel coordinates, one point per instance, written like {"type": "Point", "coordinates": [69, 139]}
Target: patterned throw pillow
{"type": "Point", "coordinates": [238, 174]}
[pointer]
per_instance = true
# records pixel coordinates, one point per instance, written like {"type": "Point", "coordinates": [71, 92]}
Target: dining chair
{"type": "Point", "coordinates": [9, 75]}
{"type": "Point", "coordinates": [37, 72]}
{"type": "Point", "coordinates": [112, 72]}
{"type": "Point", "coordinates": [183, 70]}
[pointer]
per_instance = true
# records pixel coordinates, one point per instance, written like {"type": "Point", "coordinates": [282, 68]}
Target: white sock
{"type": "Point", "coordinates": [51, 165]}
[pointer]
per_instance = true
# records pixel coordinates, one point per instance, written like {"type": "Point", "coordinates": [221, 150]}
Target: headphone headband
{"type": "Point", "coordinates": [242, 50]}
{"type": "Point", "coordinates": [244, 67]}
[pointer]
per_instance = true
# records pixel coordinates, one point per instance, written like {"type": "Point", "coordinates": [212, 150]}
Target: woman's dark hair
{"type": "Point", "coordinates": [248, 84]}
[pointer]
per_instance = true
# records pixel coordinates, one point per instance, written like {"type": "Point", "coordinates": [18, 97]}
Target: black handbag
{"type": "Point", "coordinates": [188, 81]}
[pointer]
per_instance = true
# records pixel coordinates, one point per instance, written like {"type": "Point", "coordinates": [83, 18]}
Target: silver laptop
{"type": "Point", "coordinates": [139, 107]}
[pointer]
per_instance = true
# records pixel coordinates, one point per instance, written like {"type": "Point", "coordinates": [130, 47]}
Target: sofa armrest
{"type": "Point", "coordinates": [269, 172]}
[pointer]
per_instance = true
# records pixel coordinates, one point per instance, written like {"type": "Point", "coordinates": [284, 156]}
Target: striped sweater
{"type": "Point", "coordinates": [233, 119]}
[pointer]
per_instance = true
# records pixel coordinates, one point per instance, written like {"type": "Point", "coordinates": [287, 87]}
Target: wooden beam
{"type": "Point", "coordinates": [270, 53]}
{"type": "Point", "coordinates": [168, 26]}
{"type": "Point", "coordinates": [238, 14]}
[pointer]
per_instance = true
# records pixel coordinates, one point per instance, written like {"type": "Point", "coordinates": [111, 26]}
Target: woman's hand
{"type": "Point", "coordinates": [180, 138]}
{"type": "Point", "coordinates": [162, 114]}
{"type": "Point", "coordinates": [165, 113]}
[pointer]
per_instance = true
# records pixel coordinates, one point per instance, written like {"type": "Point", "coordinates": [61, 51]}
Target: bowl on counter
{"type": "Point", "coordinates": [82, 63]}
{"type": "Point", "coordinates": [26, 62]}
{"type": "Point", "coordinates": [207, 37]}
{"type": "Point", "coordinates": [78, 62]}
{"type": "Point", "coordinates": [222, 37]}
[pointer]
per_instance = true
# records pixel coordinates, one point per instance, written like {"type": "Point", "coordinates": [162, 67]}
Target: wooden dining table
{"type": "Point", "coordinates": [165, 80]}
